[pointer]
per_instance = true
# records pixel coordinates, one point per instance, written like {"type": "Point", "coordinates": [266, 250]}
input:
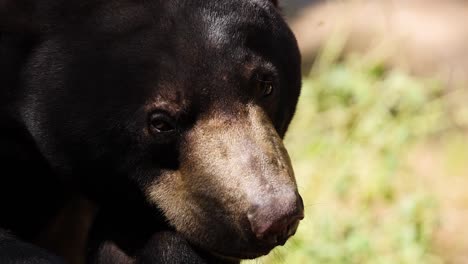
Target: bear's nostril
{"type": "Point", "coordinates": [275, 223]}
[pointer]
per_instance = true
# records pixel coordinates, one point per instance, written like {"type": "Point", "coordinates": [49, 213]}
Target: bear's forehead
{"type": "Point", "coordinates": [205, 50]}
{"type": "Point", "coordinates": [221, 26]}
{"type": "Point", "coordinates": [182, 96]}
{"type": "Point", "coordinates": [216, 19]}
{"type": "Point", "coordinates": [174, 99]}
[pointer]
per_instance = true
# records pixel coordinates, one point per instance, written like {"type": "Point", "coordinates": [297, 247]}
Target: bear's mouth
{"type": "Point", "coordinates": [241, 254]}
{"type": "Point", "coordinates": [244, 254]}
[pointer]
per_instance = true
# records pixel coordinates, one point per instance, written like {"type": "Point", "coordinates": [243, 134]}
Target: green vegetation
{"type": "Point", "coordinates": [355, 126]}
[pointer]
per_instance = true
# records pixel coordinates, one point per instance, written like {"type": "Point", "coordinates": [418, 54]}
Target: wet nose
{"type": "Point", "coordinates": [276, 218]}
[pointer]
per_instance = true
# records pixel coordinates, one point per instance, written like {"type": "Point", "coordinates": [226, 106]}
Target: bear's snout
{"type": "Point", "coordinates": [276, 217]}
{"type": "Point", "coordinates": [235, 183]}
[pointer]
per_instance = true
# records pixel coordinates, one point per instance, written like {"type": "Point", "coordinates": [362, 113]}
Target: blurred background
{"type": "Point", "coordinates": [380, 138]}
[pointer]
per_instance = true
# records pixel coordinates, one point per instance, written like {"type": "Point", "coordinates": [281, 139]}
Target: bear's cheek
{"type": "Point", "coordinates": [205, 208]}
{"type": "Point", "coordinates": [196, 212]}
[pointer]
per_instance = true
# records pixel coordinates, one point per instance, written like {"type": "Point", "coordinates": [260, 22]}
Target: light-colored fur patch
{"type": "Point", "coordinates": [229, 162]}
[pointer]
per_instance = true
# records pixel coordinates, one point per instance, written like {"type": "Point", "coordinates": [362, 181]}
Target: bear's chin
{"type": "Point", "coordinates": [232, 256]}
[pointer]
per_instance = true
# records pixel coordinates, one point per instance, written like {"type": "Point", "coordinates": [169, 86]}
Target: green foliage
{"type": "Point", "coordinates": [354, 125]}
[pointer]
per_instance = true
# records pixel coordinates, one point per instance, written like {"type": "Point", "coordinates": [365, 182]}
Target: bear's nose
{"type": "Point", "coordinates": [276, 218]}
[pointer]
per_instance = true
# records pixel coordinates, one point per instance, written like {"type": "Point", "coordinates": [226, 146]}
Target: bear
{"type": "Point", "coordinates": [168, 116]}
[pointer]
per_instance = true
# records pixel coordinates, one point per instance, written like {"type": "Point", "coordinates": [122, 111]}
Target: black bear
{"type": "Point", "coordinates": [167, 115]}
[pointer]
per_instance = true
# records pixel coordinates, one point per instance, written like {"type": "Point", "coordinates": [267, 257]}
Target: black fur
{"type": "Point", "coordinates": [13, 251]}
{"type": "Point", "coordinates": [74, 78]}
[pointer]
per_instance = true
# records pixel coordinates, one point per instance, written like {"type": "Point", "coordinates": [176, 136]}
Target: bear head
{"type": "Point", "coordinates": [183, 102]}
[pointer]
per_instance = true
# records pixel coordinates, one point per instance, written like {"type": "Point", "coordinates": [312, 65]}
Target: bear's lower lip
{"type": "Point", "coordinates": [255, 251]}
{"type": "Point", "coordinates": [244, 254]}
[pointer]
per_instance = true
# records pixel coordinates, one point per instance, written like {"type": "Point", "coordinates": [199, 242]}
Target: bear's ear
{"type": "Point", "coordinates": [17, 16]}
{"type": "Point", "coordinates": [275, 2]}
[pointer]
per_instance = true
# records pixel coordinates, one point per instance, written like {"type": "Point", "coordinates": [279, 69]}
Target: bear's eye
{"type": "Point", "coordinates": [161, 123]}
{"type": "Point", "coordinates": [264, 82]}
{"type": "Point", "coordinates": [266, 87]}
